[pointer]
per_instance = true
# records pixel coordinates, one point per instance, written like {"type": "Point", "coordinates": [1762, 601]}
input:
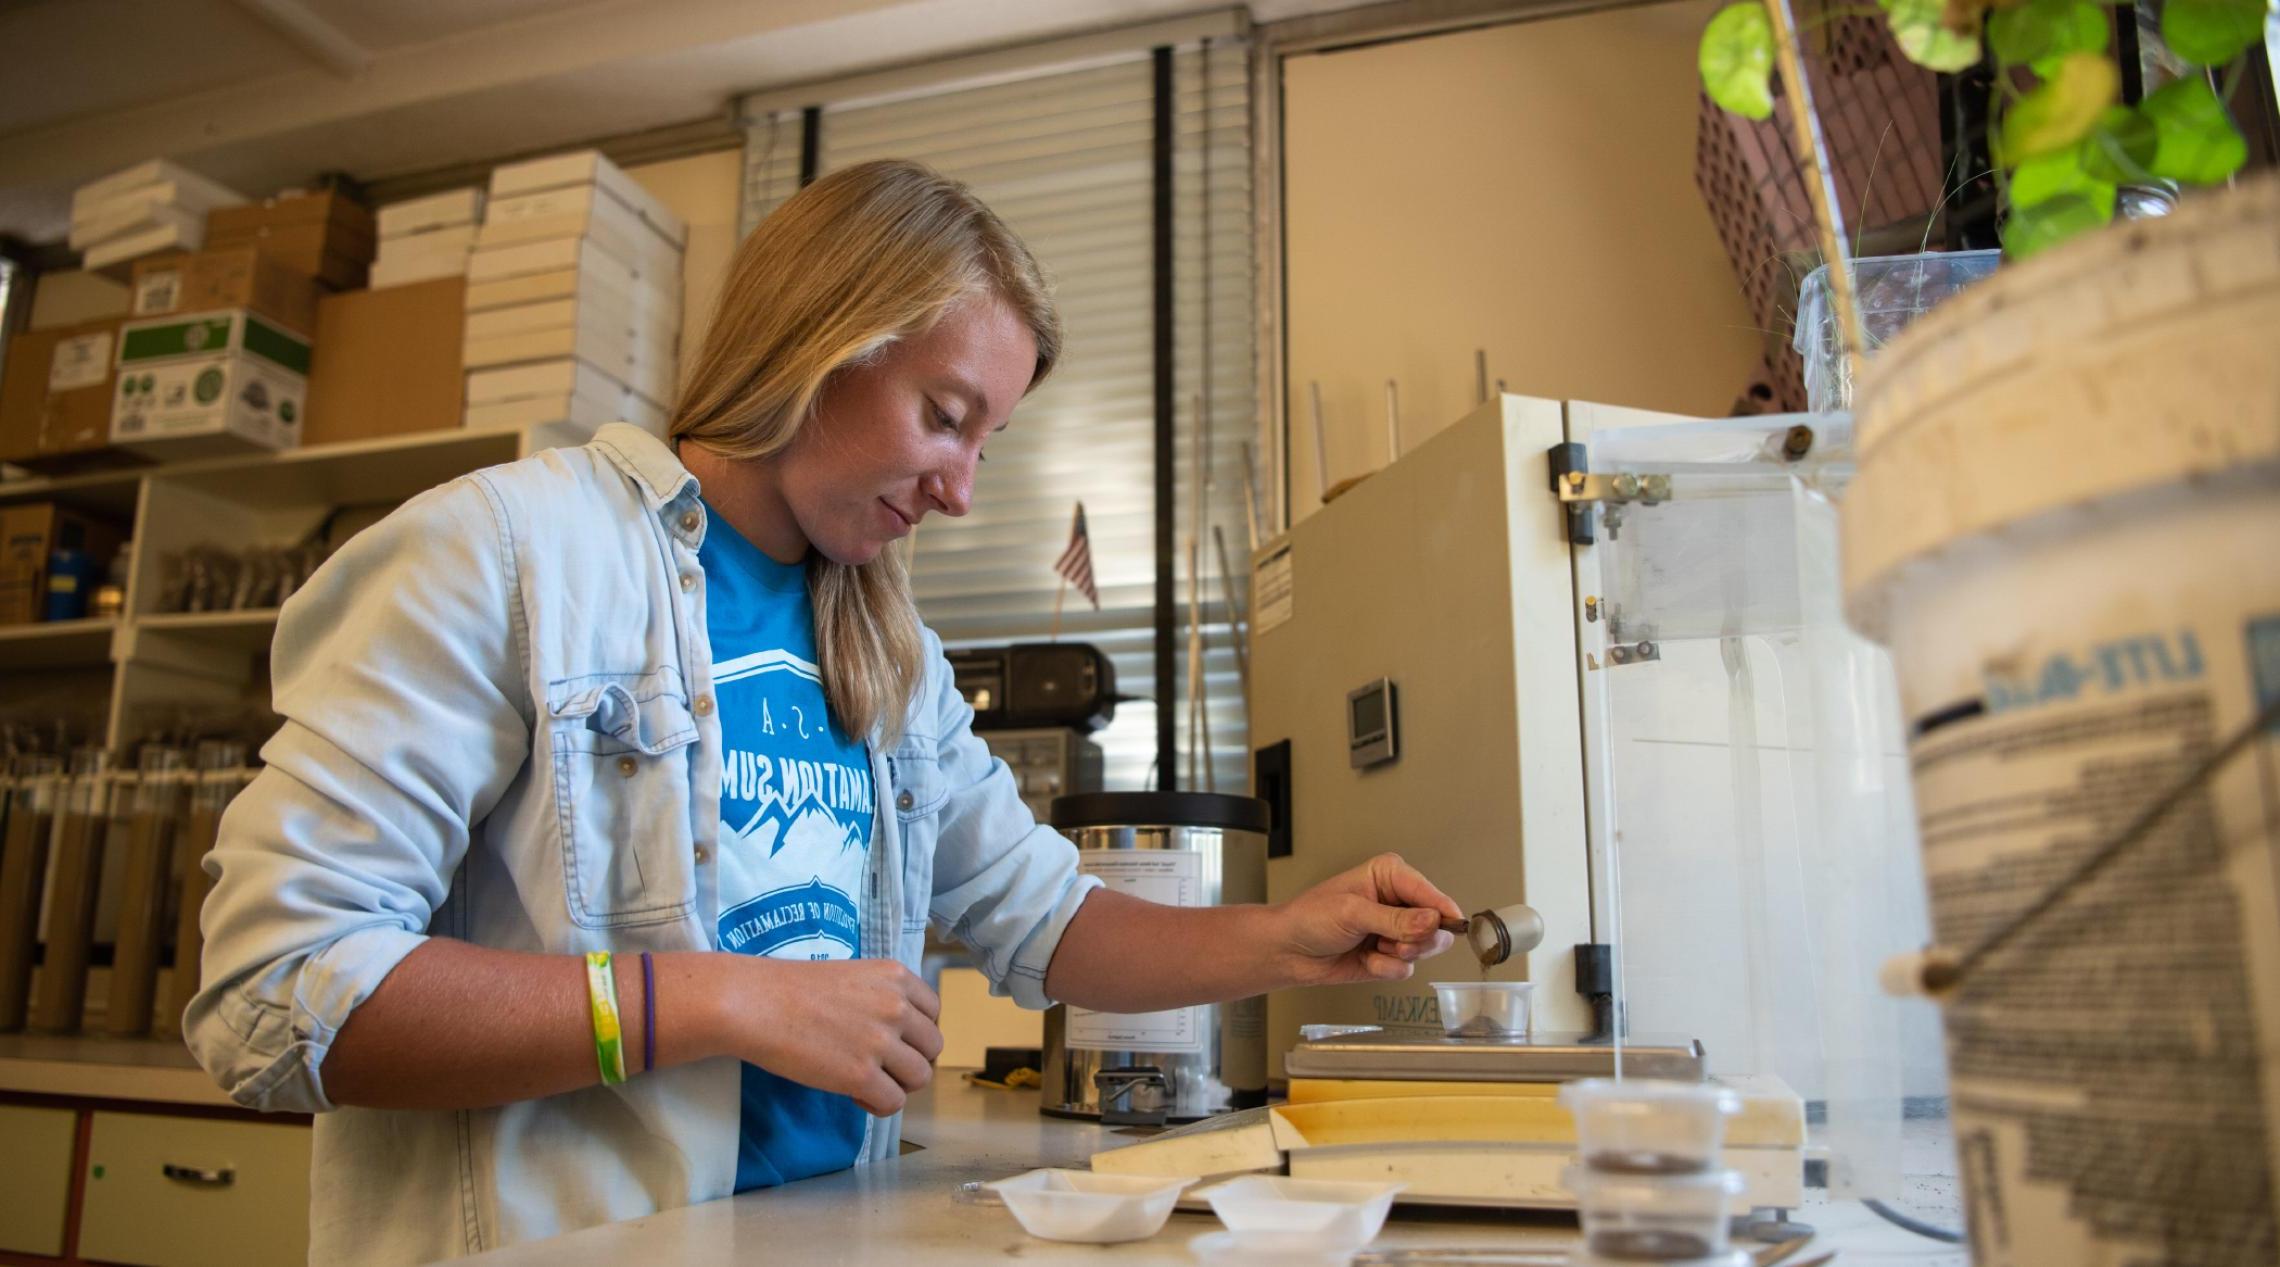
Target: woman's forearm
{"type": "Point", "coordinates": [458, 1026]}
{"type": "Point", "coordinates": [1122, 954]}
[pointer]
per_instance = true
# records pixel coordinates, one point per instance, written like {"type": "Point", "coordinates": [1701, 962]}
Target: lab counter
{"type": "Point", "coordinates": [904, 1212]}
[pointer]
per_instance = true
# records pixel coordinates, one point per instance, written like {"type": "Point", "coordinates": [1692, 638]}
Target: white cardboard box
{"type": "Point", "coordinates": [583, 211]}
{"type": "Point", "coordinates": [564, 377]}
{"type": "Point", "coordinates": [588, 412]}
{"type": "Point", "coordinates": [447, 210]}
{"type": "Point", "coordinates": [431, 244]}
{"type": "Point", "coordinates": [173, 234]}
{"type": "Point", "coordinates": [588, 167]}
{"type": "Point", "coordinates": [191, 189]}
{"type": "Point", "coordinates": [644, 313]}
{"type": "Point", "coordinates": [406, 270]}
{"type": "Point", "coordinates": [423, 257]}
{"type": "Point", "coordinates": [137, 209]}
{"type": "Point", "coordinates": [126, 218]}
{"type": "Point", "coordinates": [523, 259]}
{"type": "Point", "coordinates": [647, 365]}
{"type": "Point", "coordinates": [205, 383]}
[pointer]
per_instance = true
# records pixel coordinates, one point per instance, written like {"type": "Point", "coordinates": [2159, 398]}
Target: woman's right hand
{"type": "Point", "coordinates": [863, 1028]}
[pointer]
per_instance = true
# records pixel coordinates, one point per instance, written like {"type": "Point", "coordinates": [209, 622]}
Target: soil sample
{"type": "Point", "coordinates": [220, 776]}
{"type": "Point", "coordinates": [32, 801]}
{"type": "Point", "coordinates": [158, 801]}
{"type": "Point", "coordinates": [59, 1000]}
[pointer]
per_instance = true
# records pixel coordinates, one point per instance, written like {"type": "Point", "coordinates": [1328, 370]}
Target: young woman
{"type": "Point", "coordinates": [671, 701]}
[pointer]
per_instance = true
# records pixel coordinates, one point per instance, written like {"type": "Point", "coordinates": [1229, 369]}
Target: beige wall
{"type": "Point", "coordinates": [703, 191]}
{"type": "Point", "coordinates": [1527, 189]}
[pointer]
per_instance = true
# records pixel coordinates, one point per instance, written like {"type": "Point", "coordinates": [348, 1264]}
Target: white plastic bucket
{"type": "Point", "coordinates": [2066, 526]}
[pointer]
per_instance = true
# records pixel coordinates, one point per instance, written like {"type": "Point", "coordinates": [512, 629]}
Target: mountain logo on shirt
{"type": "Point", "coordinates": [813, 913]}
{"type": "Point", "coordinates": [784, 783]}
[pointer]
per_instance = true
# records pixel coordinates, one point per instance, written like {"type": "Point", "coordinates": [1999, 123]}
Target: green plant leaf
{"type": "Point", "coordinates": [1736, 59]}
{"type": "Point", "coordinates": [2061, 175]}
{"type": "Point", "coordinates": [2041, 32]}
{"type": "Point", "coordinates": [1922, 31]}
{"type": "Point", "coordinates": [2062, 109]}
{"type": "Point", "coordinates": [2196, 141]}
{"type": "Point", "coordinates": [2119, 149]}
{"type": "Point", "coordinates": [2211, 32]}
{"type": "Point", "coordinates": [2046, 224]}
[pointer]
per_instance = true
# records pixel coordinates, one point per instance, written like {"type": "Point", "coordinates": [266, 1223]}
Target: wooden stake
{"type": "Point", "coordinates": [1251, 496]}
{"type": "Point", "coordinates": [1820, 182]}
{"type": "Point", "coordinates": [1237, 632]}
{"type": "Point", "coordinates": [1392, 421]}
{"type": "Point", "coordinates": [1480, 373]}
{"type": "Point", "coordinates": [1321, 447]}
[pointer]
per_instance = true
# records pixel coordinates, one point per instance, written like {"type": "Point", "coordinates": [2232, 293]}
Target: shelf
{"type": "Point", "coordinates": [57, 644]}
{"type": "Point", "coordinates": [97, 492]}
{"type": "Point", "coordinates": [237, 630]}
{"type": "Point", "coordinates": [360, 472]}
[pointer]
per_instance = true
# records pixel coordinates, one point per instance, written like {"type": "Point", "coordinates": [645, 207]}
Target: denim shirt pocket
{"type": "Point", "coordinates": [917, 792]}
{"type": "Point", "coordinates": [623, 798]}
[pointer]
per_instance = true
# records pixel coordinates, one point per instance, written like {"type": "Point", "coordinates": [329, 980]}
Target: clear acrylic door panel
{"type": "Point", "coordinates": [1754, 826]}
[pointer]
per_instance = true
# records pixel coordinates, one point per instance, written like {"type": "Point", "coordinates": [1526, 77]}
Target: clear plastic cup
{"type": "Point", "coordinates": [1654, 1218]}
{"type": "Point", "coordinates": [1485, 1009]}
{"type": "Point", "coordinates": [1649, 1126]}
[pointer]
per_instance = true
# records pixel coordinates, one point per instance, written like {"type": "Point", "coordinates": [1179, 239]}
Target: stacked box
{"type": "Point", "coordinates": [237, 277]}
{"type": "Point", "coordinates": [573, 298]}
{"type": "Point", "coordinates": [427, 239]}
{"type": "Point", "coordinates": [209, 383]}
{"type": "Point", "coordinates": [148, 208]}
{"type": "Point", "coordinates": [327, 236]}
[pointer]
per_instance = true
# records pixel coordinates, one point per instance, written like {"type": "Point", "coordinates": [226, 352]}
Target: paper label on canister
{"type": "Point", "coordinates": [1171, 877]}
{"type": "Point", "coordinates": [2112, 1098]}
{"type": "Point", "coordinates": [1273, 598]}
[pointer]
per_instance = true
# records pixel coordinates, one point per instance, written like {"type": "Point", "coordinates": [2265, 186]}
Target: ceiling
{"type": "Point", "coordinates": [262, 94]}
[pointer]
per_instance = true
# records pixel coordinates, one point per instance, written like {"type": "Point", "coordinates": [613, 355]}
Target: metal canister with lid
{"type": "Point", "coordinates": [1181, 1064]}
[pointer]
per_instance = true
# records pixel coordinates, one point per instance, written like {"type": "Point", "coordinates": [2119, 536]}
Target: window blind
{"type": "Point", "coordinates": [1065, 156]}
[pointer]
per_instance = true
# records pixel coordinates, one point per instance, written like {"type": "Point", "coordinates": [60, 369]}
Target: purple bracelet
{"type": "Point", "coordinates": [648, 1013]}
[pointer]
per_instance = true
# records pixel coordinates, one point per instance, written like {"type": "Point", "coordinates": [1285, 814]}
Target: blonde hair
{"type": "Point", "coordinates": [859, 259]}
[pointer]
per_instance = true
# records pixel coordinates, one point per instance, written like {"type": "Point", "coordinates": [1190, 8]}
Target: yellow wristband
{"type": "Point", "coordinates": [609, 1035]}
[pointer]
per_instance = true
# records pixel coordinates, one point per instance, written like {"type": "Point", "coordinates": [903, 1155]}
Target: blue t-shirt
{"type": "Point", "coordinates": [796, 804]}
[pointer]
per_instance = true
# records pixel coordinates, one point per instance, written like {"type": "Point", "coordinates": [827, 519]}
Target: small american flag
{"type": "Point", "coordinates": [1075, 563]}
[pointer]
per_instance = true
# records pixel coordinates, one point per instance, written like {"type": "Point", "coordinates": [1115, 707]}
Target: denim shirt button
{"type": "Point", "coordinates": [704, 706]}
{"type": "Point", "coordinates": [905, 801]}
{"type": "Point", "coordinates": [689, 521]}
{"type": "Point", "coordinates": [688, 582]}
{"type": "Point", "coordinates": [627, 765]}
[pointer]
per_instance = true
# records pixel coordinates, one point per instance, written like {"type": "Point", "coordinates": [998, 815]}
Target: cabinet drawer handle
{"type": "Point", "coordinates": [215, 1176]}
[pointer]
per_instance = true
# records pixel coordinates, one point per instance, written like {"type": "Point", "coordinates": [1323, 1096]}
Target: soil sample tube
{"type": "Point", "coordinates": [221, 774]}
{"type": "Point", "coordinates": [157, 810]}
{"type": "Point", "coordinates": [59, 998]}
{"type": "Point", "coordinates": [32, 801]}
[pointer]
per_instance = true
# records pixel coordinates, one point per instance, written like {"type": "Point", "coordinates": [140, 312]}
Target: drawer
{"type": "Point", "coordinates": [35, 1173]}
{"type": "Point", "coordinates": [185, 1192]}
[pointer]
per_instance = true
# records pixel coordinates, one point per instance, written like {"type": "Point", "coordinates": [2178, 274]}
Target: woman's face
{"type": "Point", "coordinates": [898, 439]}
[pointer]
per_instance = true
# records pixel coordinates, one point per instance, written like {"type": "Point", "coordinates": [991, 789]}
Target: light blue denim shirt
{"type": "Point", "coordinates": [499, 728]}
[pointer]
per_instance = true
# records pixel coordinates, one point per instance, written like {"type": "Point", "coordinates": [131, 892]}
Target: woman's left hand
{"type": "Point", "coordinates": [1369, 924]}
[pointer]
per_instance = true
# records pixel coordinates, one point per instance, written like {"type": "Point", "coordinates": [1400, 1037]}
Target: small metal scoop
{"type": "Point", "coordinates": [1498, 935]}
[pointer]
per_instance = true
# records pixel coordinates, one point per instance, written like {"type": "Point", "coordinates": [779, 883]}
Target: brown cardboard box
{"type": "Point", "coordinates": [235, 277]}
{"type": "Point", "coordinates": [386, 362]}
{"type": "Point", "coordinates": [55, 394]}
{"type": "Point", "coordinates": [28, 533]}
{"type": "Point", "coordinates": [328, 236]}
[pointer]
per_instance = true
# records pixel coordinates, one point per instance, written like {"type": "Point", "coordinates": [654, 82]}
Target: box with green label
{"type": "Point", "coordinates": [207, 383]}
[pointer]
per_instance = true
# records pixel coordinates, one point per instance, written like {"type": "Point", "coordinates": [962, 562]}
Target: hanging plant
{"type": "Point", "coordinates": [2062, 141]}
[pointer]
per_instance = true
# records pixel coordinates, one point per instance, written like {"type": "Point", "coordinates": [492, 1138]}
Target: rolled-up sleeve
{"type": "Point", "coordinates": [398, 674]}
{"type": "Point", "coordinates": [1003, 883]}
